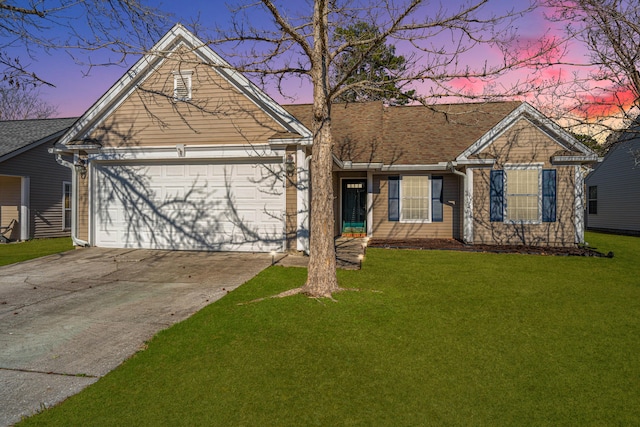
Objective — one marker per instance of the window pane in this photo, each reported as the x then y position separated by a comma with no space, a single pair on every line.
522,194
415,198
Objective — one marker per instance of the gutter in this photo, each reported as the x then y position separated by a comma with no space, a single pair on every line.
74,195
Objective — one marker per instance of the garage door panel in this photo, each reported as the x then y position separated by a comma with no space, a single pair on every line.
189,206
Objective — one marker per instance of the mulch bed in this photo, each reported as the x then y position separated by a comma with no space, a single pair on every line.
455,245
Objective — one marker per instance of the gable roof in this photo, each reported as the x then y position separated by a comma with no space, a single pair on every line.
17,136
569,148
371,132
177,37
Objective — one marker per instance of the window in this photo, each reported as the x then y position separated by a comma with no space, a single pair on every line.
182,85
66,205
593,200
523,194
415,198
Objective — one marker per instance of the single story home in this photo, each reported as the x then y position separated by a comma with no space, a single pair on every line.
35,191
613,188
183,152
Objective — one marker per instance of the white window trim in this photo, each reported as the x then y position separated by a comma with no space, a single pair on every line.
400,198
185,76
64,210
528,166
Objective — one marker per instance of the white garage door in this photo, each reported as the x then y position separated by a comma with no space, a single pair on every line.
193,206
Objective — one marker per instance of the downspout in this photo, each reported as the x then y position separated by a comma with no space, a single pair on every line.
74,196
465,220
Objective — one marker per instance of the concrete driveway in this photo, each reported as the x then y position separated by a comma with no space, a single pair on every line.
68,319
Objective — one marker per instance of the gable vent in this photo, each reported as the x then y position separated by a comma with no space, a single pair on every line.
182,85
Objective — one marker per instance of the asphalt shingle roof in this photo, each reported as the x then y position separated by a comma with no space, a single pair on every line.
16,134
407,135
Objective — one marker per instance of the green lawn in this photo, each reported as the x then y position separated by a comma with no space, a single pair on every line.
16,252
431,338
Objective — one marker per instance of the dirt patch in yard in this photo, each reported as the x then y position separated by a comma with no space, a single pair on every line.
455,245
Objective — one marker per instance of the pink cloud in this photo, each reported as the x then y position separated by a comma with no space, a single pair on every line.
606,103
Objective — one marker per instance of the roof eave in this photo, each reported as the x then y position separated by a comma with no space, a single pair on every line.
575,160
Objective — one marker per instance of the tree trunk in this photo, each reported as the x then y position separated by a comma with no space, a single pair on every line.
321,279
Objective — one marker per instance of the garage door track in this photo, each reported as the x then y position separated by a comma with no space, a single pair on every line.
68,319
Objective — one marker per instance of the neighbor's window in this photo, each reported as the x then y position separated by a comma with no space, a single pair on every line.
593,200
521,195
182,85
66,205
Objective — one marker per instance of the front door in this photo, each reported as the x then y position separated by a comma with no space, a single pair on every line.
354,206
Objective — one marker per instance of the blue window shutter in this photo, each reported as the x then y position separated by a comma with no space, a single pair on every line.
496,195
436,199
394,198
549,195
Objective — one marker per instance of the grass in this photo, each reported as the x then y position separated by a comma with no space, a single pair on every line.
431,338
16,252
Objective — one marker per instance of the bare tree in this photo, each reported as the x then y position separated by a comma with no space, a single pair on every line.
24,102
300,41
30,27
610,30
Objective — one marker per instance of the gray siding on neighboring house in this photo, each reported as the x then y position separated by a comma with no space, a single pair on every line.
46,178
618,185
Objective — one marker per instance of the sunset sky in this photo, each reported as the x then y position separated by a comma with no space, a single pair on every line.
77,88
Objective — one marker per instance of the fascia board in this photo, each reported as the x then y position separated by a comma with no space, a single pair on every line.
291,141
474,162
346,165
575,159
224,152
398,168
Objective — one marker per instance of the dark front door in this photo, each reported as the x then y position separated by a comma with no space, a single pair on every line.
354,206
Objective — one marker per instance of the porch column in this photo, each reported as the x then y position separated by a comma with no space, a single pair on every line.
369,203
24,207
302,202
579,205
467,192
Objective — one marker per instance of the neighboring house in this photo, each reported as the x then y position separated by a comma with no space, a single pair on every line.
613,188
34,189
185,153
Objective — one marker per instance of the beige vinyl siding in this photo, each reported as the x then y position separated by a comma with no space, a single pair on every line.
447,229
46,178
524,144
618,182
83,208
10,194
217,113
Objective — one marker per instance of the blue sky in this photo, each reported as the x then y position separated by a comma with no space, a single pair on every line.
75,90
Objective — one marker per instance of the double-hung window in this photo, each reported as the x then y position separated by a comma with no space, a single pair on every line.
415,198
523,193
593,200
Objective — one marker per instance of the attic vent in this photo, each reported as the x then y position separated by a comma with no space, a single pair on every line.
182,85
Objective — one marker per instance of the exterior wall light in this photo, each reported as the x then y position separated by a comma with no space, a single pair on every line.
290,165
81,168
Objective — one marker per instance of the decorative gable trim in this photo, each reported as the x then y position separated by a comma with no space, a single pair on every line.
527,112
175,38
